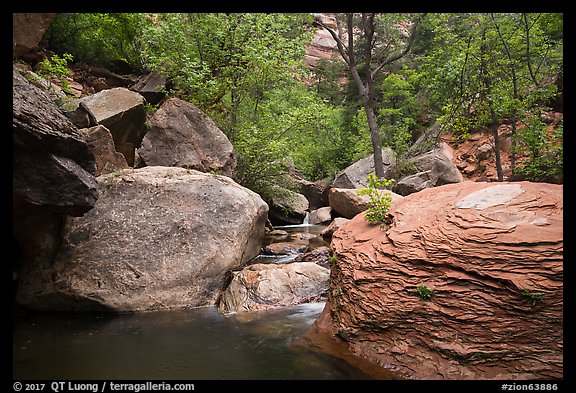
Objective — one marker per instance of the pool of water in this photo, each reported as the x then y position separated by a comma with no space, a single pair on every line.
196,344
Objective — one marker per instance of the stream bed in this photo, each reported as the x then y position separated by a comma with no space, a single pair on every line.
195,344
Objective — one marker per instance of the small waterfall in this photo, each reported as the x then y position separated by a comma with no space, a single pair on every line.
306,219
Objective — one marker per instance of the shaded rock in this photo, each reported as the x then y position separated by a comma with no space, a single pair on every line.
289,247
320,216
52,163
334,226
28,29
158,238
348,203
355,175
288,207
268,286
150,86
101,144
315,192
122,112
492,255
278,233
182,135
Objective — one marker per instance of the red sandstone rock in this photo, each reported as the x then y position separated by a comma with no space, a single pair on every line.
491,253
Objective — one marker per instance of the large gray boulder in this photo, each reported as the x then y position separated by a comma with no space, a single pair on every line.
158,238
436,168
355,175
183,135
52,163
122,112
267,286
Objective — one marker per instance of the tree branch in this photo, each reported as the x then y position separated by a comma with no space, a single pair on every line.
341,47
400,55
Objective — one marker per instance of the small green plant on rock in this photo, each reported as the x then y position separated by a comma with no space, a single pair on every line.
57,66
379,202
532,298
423,292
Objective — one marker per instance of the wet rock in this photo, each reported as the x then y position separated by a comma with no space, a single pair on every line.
492,256
288,207
268,286
319,256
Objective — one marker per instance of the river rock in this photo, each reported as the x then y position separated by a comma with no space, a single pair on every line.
268,286
52,163
319,256
333,227
288,207
122,112
182,135
320,216
347,203
158,238
492,257
315,193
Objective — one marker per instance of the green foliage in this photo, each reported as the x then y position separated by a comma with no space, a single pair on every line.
546,153
110,40
532,298
57,66
380,201
423,292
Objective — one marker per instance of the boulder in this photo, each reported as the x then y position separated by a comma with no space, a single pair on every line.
347,203
28,29
320,216
435,168
101,144
355,175
315,192
182,135
52,163
491,257
269,286
158,238
150,86
319,255
122,112
288,207
334,226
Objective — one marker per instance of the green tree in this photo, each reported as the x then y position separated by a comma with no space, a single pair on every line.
372,43
110,40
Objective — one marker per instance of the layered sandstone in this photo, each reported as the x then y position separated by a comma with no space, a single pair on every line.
492,255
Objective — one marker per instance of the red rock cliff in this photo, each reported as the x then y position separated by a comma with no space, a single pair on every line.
492,255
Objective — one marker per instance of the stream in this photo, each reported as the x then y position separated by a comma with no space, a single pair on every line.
195,344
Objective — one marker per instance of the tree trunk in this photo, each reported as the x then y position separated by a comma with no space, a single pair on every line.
375,137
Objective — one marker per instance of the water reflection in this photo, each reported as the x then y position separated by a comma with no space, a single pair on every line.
198,344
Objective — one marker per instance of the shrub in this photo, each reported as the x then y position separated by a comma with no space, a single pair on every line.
379,202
